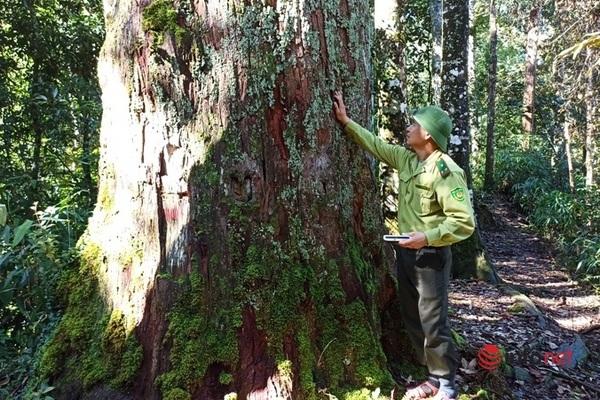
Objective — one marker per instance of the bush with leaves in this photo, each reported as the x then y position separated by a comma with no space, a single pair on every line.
34,256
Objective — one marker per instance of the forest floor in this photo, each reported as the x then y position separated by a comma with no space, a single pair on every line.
537,315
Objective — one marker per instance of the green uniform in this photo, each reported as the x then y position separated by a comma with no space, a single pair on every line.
427,201
433,199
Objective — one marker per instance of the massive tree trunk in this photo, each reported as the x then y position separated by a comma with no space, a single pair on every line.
491,120
528,119
437,23
469,256
236,243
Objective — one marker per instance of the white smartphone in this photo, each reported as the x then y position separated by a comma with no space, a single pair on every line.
395,238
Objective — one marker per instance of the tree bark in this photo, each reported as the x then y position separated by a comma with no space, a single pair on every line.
473,117
392,104
469,258
570,172
236,244
437,23
528,120
591,104
491,120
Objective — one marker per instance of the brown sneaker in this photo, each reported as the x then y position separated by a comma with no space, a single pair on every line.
441,395
422,391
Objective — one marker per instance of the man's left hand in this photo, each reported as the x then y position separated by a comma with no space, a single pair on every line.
416,241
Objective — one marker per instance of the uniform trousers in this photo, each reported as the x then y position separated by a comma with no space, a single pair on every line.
423,277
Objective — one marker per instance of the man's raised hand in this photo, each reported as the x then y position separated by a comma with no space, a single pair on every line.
340,108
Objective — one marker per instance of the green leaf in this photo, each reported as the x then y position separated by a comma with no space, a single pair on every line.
4,258
21,231
3,214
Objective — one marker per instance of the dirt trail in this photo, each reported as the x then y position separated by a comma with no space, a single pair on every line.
551,313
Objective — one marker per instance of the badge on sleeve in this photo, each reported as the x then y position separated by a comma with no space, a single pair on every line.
458,194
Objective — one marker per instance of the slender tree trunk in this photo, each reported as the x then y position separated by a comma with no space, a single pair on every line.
492,77
528,120
473,117
235,247
591,119
455,97
437,23
391,92
567,135
470,258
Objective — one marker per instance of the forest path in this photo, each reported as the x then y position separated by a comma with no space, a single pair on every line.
536,314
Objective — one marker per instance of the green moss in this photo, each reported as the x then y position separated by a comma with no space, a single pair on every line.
354,355
285,368
361,394
225,378
177,394
200,335
105,196
516,308
132,255
363,269
459,340
307,363
88,344
161,17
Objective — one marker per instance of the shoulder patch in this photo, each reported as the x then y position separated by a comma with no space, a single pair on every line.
442,167
458,194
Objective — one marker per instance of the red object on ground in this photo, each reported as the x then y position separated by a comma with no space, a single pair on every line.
489,357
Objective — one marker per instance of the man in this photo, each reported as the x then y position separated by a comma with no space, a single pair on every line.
434,209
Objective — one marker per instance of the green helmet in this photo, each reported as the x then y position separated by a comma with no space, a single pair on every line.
437,123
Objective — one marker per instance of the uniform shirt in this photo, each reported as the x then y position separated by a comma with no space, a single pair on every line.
427,202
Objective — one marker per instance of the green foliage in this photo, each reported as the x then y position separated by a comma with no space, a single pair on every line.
35,256
570,218
49,102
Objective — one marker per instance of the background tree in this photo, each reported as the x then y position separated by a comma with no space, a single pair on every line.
530,72
435,9
392,99
491,112
469,256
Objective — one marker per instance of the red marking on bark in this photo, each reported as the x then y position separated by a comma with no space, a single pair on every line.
276,122
172,214
255,366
